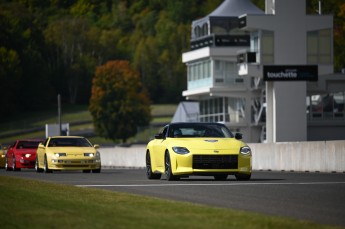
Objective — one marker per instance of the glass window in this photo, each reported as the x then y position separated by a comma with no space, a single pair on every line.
319,47
267,47
327,106
212,110
205,29
201,107
254,42
225,70
312,43
236,109
199,70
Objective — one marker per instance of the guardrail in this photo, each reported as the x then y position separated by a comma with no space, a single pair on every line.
320,156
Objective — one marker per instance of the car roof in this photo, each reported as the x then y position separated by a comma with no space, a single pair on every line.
67,137
195,123
30,140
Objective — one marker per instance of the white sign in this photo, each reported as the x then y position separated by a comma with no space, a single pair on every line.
54,130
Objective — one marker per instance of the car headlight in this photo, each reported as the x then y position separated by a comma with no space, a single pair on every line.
180,150
89,154
27,155
245,150
60,154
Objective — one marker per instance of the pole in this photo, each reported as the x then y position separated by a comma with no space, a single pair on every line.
59,113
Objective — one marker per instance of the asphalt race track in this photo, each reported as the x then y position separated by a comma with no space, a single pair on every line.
318,197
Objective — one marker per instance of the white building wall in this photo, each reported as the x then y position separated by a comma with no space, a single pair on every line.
286,101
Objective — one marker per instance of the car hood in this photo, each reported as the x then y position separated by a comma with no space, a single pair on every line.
21,151
207,143
72,150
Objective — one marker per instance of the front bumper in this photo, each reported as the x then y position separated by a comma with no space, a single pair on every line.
24,163
74,164
211,164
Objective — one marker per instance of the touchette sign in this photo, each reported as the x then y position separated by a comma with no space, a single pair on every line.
290,72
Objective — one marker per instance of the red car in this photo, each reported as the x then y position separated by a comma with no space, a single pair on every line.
22,154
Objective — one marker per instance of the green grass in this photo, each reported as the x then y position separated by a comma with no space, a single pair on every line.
163,109
34,204
161,114
70,113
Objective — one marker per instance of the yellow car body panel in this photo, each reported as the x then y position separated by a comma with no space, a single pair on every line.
67,157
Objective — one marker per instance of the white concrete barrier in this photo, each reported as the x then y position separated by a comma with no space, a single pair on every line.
123,157
320,156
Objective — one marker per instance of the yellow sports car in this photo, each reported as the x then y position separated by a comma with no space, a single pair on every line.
67,153
183,149
2,156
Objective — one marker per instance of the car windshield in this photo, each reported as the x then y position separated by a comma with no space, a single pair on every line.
69,142
27,144
201,130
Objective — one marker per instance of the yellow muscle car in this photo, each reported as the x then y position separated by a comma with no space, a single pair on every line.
67,153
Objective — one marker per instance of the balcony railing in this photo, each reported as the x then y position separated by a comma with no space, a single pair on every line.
221,41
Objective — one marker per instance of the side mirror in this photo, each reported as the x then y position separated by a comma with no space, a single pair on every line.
96,146
159,136
238,136
40,145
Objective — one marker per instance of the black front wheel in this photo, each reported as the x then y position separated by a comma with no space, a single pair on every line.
14,164
168,172
149,174
46,167
37,168
8,168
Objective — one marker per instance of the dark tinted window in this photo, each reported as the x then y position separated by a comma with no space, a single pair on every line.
27,144
68,142
201,130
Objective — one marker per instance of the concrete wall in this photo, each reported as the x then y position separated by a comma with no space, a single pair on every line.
123,157
321,156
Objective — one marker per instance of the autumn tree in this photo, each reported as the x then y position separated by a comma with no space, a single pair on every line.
119,103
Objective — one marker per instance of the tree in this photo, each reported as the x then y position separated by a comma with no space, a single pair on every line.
10,73
119,103
69,36
23,74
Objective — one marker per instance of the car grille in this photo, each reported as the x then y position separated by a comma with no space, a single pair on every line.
215,161
75,166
